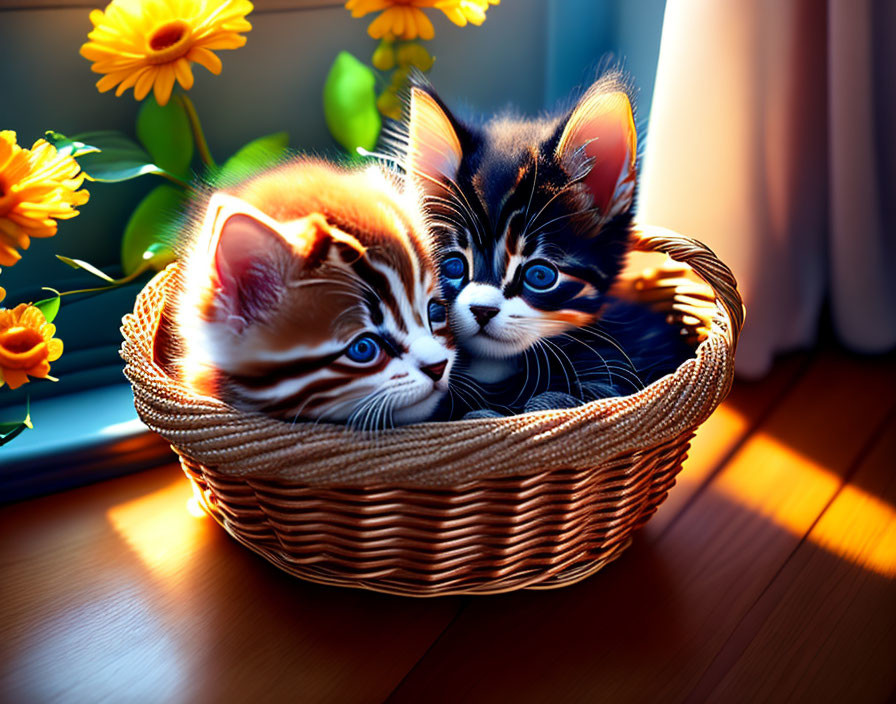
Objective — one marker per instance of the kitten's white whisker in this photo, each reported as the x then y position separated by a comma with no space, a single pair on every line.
552,346
597,354
554,197
470,387
531,194
607,337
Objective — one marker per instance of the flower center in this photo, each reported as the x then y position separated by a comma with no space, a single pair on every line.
7,199
21,347
169,41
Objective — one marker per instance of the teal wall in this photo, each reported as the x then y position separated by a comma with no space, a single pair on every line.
584,36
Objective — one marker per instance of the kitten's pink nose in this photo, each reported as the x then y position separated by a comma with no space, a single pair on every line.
435,371
483,314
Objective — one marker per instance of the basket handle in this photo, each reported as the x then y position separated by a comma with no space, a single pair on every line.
649,238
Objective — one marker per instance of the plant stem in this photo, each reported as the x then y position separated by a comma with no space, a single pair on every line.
198,134
115,284
175,179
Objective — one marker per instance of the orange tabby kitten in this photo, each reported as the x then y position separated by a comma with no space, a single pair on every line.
308,292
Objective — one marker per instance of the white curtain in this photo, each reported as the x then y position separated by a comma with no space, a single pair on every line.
772,139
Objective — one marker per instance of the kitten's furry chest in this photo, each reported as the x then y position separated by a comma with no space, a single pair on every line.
493,371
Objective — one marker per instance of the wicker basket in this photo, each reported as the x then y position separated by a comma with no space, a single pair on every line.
538,500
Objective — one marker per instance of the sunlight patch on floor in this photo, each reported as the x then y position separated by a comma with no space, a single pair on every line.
789,489
862,528
713,441
160,527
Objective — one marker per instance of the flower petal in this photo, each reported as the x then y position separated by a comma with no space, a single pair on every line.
184,73
384,23
424,26
54,347
163,85
131,80
359,8
144,83
205,58
15,377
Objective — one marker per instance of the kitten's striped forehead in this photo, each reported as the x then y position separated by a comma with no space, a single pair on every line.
498,213
517,207
377,256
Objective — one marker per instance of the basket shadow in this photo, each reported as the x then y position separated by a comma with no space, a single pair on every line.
650,626
274,635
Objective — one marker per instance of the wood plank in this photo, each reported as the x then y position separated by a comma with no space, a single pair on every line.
647,627
114,592
826,629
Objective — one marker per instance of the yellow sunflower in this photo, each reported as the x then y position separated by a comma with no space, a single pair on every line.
147,44
37,187
27,345
399,19
462,11
404,19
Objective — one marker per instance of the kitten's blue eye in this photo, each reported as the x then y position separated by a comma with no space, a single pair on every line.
363,350
437,313
540,276
454,268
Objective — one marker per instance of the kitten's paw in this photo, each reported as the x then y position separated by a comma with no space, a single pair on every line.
551,400
482,413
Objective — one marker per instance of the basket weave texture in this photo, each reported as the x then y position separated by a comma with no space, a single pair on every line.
536,500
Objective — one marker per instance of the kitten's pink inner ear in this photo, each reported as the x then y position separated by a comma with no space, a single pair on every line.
242,243
603,124
434,151
251,261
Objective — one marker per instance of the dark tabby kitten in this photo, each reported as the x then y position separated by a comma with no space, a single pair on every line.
532,220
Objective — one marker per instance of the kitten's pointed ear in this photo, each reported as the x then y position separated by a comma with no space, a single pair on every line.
434,150
251,258
602,128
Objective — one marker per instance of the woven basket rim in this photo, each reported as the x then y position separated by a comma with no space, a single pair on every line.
423,454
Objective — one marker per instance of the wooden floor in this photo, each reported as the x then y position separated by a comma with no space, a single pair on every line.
768,575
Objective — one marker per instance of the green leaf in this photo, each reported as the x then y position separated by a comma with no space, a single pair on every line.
107,139
9,431
165,132
49,306
147,235
67,146
253,157
10,435
114,157
115,165
350,104
81,264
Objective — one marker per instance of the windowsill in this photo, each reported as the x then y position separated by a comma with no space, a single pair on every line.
79,438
